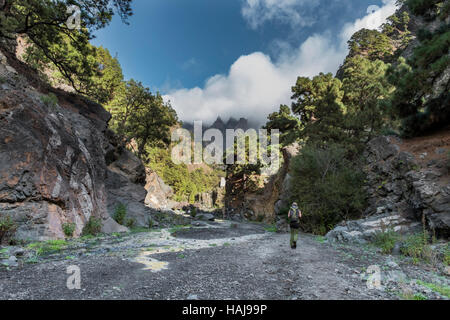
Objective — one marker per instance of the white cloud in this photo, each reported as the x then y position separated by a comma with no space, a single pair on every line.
371,21
294,12
255,85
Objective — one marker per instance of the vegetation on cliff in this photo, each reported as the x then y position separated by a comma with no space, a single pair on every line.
377,90
55,39
63,57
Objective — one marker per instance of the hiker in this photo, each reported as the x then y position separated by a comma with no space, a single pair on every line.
294,218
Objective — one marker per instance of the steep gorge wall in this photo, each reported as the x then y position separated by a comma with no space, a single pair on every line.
59,163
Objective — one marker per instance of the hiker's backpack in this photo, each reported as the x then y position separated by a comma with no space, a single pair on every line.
295,215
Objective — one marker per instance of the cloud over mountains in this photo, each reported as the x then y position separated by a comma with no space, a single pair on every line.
256,85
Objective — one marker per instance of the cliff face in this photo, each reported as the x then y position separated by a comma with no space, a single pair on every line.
408,181
59,162
408,184
268,199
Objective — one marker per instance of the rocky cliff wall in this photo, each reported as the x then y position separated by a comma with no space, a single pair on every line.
59,163
408,184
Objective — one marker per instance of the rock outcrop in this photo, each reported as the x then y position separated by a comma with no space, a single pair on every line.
267,201
159,194
404,191
59,162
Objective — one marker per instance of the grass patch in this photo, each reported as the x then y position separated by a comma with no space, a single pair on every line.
33,259
441,289
47,247
87,237
173,231
416,246
50,100
321,239
139,230
272,228
417,297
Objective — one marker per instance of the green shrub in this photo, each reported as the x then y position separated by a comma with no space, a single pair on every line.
7,229
50,100
69,229
415,101
446,258
93,227
130,223
386,241
120,214
420,7
417,247
327,187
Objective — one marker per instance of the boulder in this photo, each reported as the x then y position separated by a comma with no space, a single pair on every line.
158,194
282,225
10,262
128,165
363,231
205,217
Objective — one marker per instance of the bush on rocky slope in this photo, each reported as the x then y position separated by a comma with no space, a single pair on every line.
327,188
7,228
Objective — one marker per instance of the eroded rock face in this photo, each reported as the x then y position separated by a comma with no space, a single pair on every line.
158,193
402,194
268,201
125,185
53,164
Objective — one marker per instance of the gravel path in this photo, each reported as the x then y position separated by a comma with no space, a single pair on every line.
221,261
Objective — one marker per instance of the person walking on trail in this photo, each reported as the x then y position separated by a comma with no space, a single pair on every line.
294,219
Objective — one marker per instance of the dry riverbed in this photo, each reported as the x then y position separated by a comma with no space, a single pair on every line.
217,260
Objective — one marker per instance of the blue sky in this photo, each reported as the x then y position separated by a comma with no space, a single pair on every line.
200,52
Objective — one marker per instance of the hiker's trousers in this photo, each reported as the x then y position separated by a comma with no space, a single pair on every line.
294,235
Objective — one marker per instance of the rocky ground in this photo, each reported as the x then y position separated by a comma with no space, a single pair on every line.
214,260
